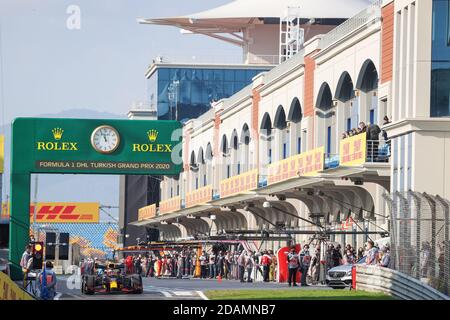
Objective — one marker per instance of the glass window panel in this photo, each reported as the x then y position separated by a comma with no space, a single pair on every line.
208,74
229,75
239,75
197,74
218,75
163,73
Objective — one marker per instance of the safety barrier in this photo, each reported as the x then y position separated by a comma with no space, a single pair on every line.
395,283
10,290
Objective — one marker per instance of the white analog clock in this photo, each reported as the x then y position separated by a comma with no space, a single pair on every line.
105,139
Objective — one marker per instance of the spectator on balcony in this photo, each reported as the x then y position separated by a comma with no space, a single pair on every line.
344,135
362,127
386,120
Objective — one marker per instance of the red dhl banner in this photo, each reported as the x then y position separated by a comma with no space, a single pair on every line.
352,151
170,205
239,184
147,212
305,164
61,212
199,196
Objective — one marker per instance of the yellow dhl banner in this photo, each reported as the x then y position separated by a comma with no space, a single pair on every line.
147,212
2,153
170,205
11,291
61,212
352,150
308,163
238,184
199,196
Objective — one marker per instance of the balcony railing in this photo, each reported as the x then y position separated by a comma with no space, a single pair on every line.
368,15
378,150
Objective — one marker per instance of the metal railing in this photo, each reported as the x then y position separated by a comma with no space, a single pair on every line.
378,150
220,59
368,15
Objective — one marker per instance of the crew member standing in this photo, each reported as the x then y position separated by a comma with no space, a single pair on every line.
266,260
293,265
305,260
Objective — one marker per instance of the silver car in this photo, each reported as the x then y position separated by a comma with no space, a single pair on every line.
341,276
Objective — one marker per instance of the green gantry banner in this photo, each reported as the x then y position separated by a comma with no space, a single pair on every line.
85,146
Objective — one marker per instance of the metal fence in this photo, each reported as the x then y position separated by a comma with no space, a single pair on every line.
420,237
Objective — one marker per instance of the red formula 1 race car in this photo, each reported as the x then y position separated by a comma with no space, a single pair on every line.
110,278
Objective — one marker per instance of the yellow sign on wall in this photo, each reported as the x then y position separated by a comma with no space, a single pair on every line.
61,212
307,163
352,151
2,153
238,184
199,196
147,212
9,290
170,205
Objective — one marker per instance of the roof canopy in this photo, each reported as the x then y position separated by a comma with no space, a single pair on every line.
239,13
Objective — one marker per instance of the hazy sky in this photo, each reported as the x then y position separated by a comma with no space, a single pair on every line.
48,67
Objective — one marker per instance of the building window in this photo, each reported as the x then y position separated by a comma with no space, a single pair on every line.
349,124
238,168
178,190
204,179
171,192
228,171
196,183
372,116
329,140
299,145
270,156
440,56
284,150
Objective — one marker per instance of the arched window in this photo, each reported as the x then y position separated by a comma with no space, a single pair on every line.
266,139
295,117
367,83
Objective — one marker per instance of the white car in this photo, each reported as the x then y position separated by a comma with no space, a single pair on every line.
341,276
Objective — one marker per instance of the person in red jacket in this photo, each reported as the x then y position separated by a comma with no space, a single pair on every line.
129,264
266,260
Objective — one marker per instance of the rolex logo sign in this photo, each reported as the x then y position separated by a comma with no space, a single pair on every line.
57,145
57,133
152,135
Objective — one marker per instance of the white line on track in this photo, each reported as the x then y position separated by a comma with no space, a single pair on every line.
58,295
202,295
166,294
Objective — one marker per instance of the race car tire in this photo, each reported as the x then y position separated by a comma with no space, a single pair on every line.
136,283
89,285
